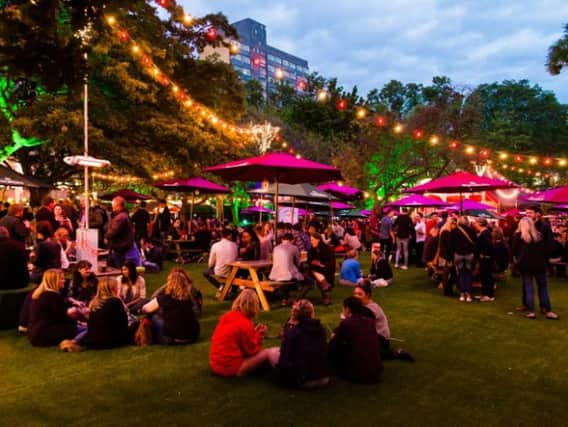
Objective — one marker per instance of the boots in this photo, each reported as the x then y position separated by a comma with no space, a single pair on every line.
325,287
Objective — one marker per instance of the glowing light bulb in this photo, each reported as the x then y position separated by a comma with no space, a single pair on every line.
279,73
434,140
503,156
342,105
188,103
418,134
111,20
322,95
380,121
533,161
470,150
175,89
135,49
235,48
188,18
562,162
361,113
398,128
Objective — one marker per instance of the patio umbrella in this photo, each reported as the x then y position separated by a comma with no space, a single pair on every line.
126,194
10,178
554,195
471,205
257,210
461,182
298,191
416,201
277,168
341,206
194,186
341,191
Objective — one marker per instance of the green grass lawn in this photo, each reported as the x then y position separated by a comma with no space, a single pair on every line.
476,364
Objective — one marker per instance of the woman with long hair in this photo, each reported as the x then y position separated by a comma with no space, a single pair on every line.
132,287
49,323
529,254
236,345
83,286
177,322
445,256
108,322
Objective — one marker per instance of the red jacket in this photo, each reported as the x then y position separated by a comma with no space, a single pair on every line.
234,340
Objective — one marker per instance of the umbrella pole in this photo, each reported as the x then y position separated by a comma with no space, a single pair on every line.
191,212
461,204
276,185
260,211
294,208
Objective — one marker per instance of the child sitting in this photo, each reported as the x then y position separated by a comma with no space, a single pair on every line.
350,269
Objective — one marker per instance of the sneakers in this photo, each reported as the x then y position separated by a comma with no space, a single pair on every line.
522,308
530,316
468,299
401,354
22,330
486,298
396,266
404,267
550,315
462,297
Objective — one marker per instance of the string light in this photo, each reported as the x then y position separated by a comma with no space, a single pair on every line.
279,74
342,105
187,18
323,95
361,113
398,128
469,150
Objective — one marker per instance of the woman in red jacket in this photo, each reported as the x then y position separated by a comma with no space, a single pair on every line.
236,345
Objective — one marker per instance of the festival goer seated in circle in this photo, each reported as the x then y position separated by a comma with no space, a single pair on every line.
303,354
381,272
132,287
354,347
321,266
250,246
350,269
82,288
66,247
178,230
196,295
363,293
13,262
177,321
236,345
47,254
108,321
49,323
152,255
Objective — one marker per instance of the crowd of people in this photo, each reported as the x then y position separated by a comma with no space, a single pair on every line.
73,308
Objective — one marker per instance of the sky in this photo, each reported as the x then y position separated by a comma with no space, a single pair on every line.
370,42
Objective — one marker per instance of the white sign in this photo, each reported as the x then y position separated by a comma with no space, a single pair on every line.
289,215
87,246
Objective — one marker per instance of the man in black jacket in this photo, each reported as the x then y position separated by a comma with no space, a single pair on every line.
120,236
484,252
403,229
13,222
13,262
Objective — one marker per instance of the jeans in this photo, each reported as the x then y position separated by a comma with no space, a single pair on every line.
464,267
542,291
386,246
210,276
401,246
486,277
117,259
419,253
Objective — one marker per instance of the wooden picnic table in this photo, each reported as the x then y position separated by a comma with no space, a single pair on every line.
182,249
254,282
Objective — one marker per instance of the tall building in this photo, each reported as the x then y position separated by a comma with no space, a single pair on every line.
270,66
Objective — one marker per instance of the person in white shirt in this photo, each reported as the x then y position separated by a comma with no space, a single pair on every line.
420,229
221,254
285,260
350,239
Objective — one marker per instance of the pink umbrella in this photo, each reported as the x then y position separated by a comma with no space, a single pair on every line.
276,167
461,182
196,184
341,191
470,205
417,200
126,194
193,185
554,195
341,206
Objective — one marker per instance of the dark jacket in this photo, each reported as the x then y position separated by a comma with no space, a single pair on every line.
180,321
48,255
381,269
354,350
445,242
530,257
303,354
108,326
49,324
119,233
324,254
16,227
403,226
13,264
430,249
141,219
459,243
484,244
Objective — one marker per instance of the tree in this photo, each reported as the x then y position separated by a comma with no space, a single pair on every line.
254,94
132,116
558,54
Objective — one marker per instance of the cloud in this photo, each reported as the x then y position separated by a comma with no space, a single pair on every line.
369,42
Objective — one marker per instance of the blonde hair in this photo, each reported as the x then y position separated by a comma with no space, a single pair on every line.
528,231
302,309
179,284
247,303
49,282
105,291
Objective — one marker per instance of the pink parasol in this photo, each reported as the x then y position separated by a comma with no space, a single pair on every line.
340,191
417,200
278,168
256,210
126,194
196,184
341,206
554,195
471,205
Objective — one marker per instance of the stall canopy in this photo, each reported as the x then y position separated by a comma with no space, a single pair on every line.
10,178
126,194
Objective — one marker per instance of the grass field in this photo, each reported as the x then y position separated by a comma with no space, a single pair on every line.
476,364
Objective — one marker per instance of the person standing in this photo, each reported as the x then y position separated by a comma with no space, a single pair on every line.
462,240
162,222
403,229
484,253
530,257
385,233
420,232
45,213
141,220
18,229
120,236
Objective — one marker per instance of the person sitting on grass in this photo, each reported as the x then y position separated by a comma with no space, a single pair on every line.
108,321
236,345
49,323
303,353
350,268
82,289
132,287
363,293
174,311
354,348
381,272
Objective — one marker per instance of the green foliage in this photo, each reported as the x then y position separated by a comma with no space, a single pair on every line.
131,117
254,94
558,54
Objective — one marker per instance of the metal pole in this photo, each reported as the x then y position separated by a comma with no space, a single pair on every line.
86,141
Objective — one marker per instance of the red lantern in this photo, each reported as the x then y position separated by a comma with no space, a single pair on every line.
484,153
123,35
146,61
301,85
454,145
163,3
256,61
418,134
380,121
518,159
212,33
342,105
